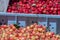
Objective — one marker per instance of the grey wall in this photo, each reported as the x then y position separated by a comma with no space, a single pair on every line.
30,19
57,20
42,19
58,26
10,17
3,19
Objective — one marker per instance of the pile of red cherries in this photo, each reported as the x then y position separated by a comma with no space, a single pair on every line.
34,6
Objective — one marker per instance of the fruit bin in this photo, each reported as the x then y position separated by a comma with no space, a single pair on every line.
30,6
34,6
32,32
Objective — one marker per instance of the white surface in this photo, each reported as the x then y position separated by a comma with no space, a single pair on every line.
52,24
11,22
3,5
22,23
